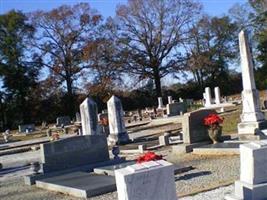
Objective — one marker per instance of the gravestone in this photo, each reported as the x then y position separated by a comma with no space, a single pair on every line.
117,130
110,170
26,128
79,184
160,103
73,152
64,120
207,97
253,172
88,110
78,117
146,181
194,129
217,95
252,119
164,139
189,102
176,108
169,99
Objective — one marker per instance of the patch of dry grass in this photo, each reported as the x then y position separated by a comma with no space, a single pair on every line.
231,119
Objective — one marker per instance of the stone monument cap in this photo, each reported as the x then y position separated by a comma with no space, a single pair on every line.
145,166
259,144
255,145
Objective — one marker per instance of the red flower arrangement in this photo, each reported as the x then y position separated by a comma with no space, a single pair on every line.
149,156
213,120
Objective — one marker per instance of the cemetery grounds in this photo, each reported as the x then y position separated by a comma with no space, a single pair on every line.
206,175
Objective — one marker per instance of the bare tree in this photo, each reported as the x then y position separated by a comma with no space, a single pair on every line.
149,36
61,37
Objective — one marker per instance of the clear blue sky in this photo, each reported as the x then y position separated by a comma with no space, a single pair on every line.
105,7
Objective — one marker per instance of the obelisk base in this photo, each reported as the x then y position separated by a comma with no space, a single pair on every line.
245,191
251,127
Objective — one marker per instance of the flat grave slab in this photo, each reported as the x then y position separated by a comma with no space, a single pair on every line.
218,149
110,170
79,184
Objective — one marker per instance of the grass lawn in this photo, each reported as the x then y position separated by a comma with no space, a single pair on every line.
231,119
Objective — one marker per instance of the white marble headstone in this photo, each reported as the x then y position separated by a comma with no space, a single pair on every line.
253,164
217,95
88,110
253,172
78,117
152,180
117,128
160,102
169,99
207,97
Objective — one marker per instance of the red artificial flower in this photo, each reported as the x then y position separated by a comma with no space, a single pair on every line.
149,156
212,119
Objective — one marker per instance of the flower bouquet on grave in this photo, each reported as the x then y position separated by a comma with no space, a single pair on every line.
149,156
213,122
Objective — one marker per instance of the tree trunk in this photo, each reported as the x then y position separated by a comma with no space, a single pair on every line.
157,81
70,100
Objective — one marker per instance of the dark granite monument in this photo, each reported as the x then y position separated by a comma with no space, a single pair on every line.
74,152
194,129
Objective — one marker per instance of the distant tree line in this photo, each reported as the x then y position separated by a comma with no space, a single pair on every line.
51,60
